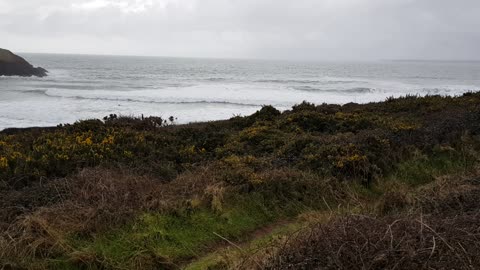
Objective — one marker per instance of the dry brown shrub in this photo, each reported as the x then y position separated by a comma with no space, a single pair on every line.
100,199
448,237
361,242
451,194
15,203
96,200
447,194
397,198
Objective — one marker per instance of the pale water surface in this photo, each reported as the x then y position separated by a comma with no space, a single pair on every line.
81,87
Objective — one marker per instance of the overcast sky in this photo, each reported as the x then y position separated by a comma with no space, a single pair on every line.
282,29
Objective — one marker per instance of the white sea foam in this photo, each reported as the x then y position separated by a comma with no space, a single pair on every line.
254,95
198,90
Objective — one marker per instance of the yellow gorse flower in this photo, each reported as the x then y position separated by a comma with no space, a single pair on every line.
356,157
128,154
88,141
81,141
109,140
16,155
3,162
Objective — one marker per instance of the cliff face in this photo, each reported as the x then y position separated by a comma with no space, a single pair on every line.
14,65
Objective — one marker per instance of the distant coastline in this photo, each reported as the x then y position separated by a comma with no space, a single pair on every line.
435,60
319,60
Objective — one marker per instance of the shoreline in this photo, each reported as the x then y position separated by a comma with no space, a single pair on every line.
13,130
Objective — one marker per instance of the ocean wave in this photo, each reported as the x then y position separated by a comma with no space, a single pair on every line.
428,77
145,99
438,91
34,91
328,81
70,86
355,90
214,79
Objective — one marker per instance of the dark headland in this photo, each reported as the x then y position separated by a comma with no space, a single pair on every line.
14,65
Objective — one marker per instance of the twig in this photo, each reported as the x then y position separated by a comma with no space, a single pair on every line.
433,248
238,247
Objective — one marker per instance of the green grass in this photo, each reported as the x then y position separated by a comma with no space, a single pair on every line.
236,254
179,236
422,169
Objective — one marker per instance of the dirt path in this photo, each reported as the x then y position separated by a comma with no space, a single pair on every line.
237,248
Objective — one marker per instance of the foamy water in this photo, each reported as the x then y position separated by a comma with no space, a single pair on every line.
81,87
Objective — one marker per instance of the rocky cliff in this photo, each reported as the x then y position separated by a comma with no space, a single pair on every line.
14,65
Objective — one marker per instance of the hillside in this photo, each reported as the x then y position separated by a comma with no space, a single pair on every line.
14,65
383,185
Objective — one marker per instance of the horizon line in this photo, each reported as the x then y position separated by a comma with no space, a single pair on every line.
266,59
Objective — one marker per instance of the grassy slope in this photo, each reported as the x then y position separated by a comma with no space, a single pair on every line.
308,240
139,193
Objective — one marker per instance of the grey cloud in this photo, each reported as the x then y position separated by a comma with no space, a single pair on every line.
301,29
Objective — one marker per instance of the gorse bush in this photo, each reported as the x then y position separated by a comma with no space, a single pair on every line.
349,142
144,193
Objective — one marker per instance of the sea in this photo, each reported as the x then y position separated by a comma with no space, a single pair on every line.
193,89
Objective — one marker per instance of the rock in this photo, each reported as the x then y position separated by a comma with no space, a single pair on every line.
14,65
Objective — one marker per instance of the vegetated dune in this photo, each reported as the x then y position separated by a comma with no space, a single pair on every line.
389,185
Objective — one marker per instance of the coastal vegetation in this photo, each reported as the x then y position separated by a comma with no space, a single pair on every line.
388,185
